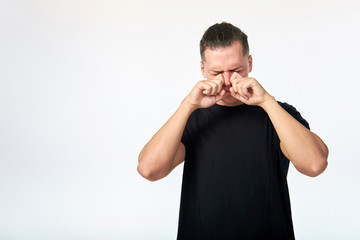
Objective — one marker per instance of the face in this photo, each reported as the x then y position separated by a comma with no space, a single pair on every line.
226,61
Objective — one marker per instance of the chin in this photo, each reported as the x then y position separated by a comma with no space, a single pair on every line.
229,100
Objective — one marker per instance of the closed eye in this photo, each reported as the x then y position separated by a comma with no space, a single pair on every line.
217,73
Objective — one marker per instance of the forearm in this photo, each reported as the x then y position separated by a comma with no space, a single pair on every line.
304,149
156,158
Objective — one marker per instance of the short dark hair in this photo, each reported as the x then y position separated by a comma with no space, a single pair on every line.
223,35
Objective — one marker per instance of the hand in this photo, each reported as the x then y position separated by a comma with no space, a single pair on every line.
248,90
206,93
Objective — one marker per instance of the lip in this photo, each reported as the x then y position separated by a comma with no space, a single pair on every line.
227,89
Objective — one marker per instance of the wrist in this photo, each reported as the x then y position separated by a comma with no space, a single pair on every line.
269,100
188,106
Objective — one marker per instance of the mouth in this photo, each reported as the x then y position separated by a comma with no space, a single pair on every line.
227,89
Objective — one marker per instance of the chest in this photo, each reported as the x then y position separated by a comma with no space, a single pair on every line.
239,143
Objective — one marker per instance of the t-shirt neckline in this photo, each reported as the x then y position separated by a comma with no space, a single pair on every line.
229,107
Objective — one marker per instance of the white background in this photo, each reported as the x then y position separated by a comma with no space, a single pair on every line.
85,84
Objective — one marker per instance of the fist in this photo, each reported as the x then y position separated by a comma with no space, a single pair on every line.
248,90
206,93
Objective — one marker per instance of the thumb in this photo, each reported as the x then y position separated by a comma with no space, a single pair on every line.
234,76
219,77
220,96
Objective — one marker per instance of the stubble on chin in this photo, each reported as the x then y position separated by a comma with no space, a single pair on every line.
229,100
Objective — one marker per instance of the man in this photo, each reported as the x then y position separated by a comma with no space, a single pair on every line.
236,140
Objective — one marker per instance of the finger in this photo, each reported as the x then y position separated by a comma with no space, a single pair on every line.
244,100
214,87
236,82
210,88
233,93
244,90
240,88
219,77
233,81
238,96
236,87
220,80
220,95
247,88
206,88
219,83
237,92
234,76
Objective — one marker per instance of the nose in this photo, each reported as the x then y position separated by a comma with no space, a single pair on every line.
227,77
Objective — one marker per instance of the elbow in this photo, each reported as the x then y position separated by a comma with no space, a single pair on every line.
150,170
146,173
143,170
320,162
318,168
153,167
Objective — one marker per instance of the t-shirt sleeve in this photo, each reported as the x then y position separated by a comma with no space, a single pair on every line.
186,137
189,131
295,114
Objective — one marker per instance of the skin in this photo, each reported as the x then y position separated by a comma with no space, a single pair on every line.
222,63
227,83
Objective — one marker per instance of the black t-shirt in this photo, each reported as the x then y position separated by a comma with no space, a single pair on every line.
234,181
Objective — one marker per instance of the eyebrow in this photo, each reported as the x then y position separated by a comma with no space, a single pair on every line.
233,69
236,68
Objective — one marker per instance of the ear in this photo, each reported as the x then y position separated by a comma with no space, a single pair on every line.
250,63
203,69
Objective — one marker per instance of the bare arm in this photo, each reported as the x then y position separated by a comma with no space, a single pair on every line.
165,151
303,148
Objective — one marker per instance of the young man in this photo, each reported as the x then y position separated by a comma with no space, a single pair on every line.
236,140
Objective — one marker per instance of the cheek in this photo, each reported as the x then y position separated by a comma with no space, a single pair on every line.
207,75
210,76
244,73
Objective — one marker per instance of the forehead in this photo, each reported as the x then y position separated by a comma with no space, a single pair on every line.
225,57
